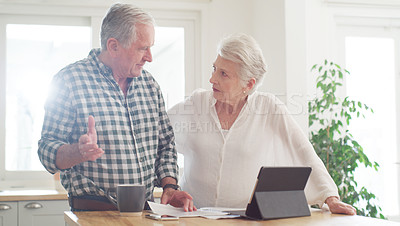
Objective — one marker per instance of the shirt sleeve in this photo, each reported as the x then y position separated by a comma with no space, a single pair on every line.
57,124
320,184
179,123
175,123
166,162
182,117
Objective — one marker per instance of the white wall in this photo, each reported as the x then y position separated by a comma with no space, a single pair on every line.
279,28
224,17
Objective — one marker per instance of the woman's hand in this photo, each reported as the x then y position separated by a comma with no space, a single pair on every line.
337,206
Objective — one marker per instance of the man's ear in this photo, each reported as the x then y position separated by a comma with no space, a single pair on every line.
112,46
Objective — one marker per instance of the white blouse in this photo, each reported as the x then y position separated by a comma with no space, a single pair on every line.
221,170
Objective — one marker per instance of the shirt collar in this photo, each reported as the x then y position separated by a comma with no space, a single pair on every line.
94,56
213,101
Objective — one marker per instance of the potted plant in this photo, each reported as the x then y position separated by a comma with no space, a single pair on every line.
329,118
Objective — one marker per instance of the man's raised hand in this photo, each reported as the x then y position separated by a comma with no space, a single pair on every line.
88,143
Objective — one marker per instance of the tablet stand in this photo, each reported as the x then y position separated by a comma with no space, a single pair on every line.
278,204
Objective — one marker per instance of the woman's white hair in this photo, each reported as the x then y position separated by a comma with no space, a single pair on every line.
244,50
120,23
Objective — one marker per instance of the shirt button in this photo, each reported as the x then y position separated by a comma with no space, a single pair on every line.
141,159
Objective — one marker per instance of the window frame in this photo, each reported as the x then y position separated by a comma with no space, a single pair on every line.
378,27
191,22
19,178
36,12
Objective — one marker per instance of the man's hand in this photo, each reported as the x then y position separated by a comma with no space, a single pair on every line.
69,155
88,143
178,199
337,206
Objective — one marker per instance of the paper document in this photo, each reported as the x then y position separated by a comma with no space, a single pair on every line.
162,209
222,209
221,217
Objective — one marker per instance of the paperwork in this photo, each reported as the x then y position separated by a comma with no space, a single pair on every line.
162,209
222,209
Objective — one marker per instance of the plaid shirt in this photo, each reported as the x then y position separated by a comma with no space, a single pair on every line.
134,132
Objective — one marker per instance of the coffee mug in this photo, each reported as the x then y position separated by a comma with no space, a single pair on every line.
130,199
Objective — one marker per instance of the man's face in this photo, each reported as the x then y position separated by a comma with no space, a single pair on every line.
129,62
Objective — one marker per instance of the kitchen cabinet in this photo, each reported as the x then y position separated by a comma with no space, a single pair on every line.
33,213
8,213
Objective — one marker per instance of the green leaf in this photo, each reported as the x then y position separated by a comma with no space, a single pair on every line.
313,67
334,143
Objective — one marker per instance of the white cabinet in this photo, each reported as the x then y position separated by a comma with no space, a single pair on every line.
34,213
8,213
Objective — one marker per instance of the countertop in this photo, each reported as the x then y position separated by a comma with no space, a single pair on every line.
317,218
27,195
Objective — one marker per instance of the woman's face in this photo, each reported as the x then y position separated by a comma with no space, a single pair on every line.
225,81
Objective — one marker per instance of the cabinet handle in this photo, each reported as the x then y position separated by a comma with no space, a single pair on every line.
5,207
33,205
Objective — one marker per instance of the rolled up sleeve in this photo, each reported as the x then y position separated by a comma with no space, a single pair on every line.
166,162
57,124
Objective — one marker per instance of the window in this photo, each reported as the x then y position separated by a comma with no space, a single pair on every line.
34,53
35,43
168,66
370,57
378,90
34,48
47,49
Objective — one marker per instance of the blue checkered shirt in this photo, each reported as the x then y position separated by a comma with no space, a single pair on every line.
134,132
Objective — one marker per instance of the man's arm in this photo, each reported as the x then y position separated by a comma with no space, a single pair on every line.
166,163
87,149
168,180
166,160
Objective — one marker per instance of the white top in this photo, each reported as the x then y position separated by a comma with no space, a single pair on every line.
225,132
222,170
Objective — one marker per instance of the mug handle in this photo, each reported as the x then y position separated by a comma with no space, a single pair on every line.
110,197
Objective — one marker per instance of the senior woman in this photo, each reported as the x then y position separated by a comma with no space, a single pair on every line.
228,133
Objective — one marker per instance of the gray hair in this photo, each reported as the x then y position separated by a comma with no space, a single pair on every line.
120,23
244,50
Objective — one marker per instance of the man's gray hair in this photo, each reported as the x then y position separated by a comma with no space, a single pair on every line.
244,50
120,23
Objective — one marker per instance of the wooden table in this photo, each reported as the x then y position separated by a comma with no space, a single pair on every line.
318,217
